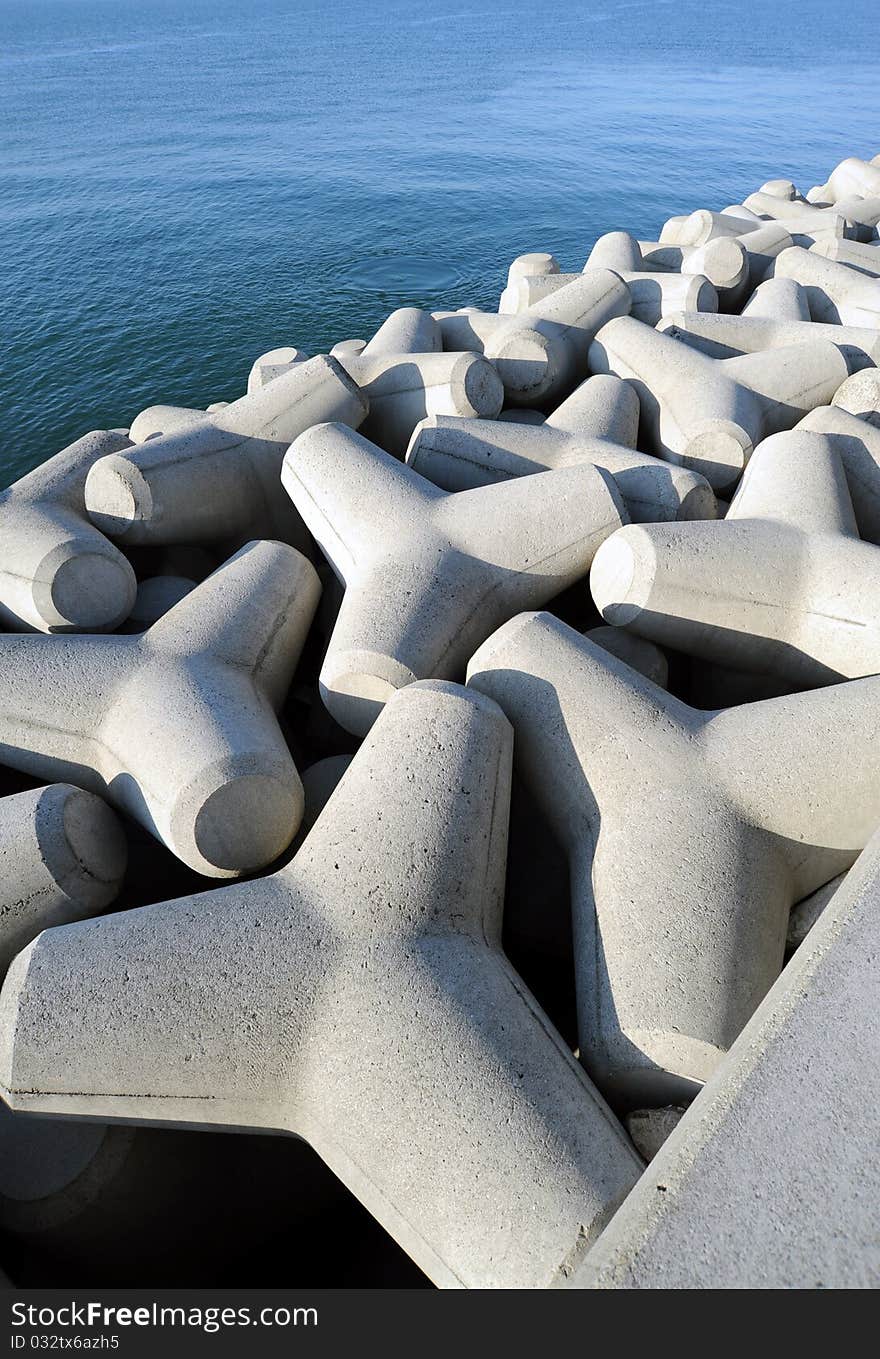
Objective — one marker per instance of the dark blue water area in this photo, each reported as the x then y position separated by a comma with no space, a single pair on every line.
187,183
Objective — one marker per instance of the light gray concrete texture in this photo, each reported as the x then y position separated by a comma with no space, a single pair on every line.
58,573
643,656
597,424
344,349
404,388
652,294
836,293
782,585
852,177
781,188
772,1179
805,222
864,258
857,442
722,336
177,726
779,299
696,228
532,265
163,419
860,396
62,857
405,331
541,353
360,998
218,479
649,1128
806,912
689,838
724,262
272,364
445,570
709,414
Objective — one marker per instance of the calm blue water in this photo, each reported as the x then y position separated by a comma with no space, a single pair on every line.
186,183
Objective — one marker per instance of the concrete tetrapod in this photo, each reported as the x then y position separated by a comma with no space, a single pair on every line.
805,222
864,258
779,299
860,395
541,353
702,225
721,336
359,997
836,293
679,918
782,586
852,176
525,266
652,293
155,596
218,479
771,1180
405,377
445,569
708,414
406,331
177,725
857,441
761,240
598,424
403,388
58,573
272,364
807,911
62,857
759,243
163,419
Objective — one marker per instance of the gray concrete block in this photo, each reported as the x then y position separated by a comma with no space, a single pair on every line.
782,586
721,336
177,726
689,838
62,857
219,479
597,424
359,997
446,569
404,388
708,414
771,1180
837,293
58,572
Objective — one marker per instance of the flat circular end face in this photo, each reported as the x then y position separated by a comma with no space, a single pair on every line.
524,363
477,388
724,262
355,700
622,575
89,592
97,842
719,453
42,1156
698,503
537,263
117,496
247,823
860,394
701,295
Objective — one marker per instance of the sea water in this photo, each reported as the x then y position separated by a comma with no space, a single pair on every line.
187,183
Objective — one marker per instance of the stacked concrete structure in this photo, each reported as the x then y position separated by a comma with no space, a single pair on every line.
673,451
